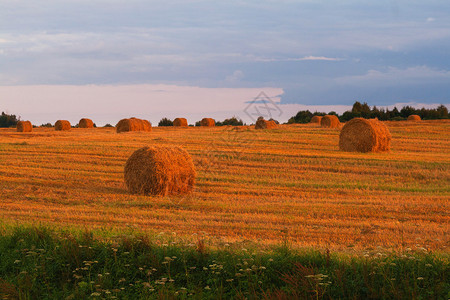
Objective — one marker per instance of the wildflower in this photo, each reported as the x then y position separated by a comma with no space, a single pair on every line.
207,287
270,259
17,261
393,264
95,294
419,278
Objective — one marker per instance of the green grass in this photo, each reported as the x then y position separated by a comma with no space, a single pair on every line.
44,263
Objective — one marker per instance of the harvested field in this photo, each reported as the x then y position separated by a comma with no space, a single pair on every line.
291,184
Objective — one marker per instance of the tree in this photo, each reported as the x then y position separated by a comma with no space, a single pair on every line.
7,120
303,116
232,121
165,122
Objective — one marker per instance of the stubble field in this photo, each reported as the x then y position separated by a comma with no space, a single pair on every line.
271,186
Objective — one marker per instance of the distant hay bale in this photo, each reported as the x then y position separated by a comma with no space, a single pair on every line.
180,122
160,170
330,121
24,126
316,119
62,125
133,124
86,123
263,124
414,118
207,122
363,135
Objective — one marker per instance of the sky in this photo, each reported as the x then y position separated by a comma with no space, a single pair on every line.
109,59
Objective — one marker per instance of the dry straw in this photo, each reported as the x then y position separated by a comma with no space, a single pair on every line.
180,122
330,121
160,170
208,122
133,124
263,124
62,125
24,126
363,135
316,119
414,118
86,123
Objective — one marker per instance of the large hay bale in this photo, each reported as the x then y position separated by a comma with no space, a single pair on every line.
363,135
160,170
207,122
24,126
62,125
86,123
316,119
414,118
180,122
330,121
264,124
133,124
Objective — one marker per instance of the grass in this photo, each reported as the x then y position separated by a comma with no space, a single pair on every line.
43,263
250,184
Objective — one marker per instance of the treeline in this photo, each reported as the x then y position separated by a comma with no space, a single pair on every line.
384,114
231,121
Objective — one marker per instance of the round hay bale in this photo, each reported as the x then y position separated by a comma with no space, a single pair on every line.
180,122
330,121
160,170
264,124
363,135
414,118
24,126
86,123
316,119
133,124
62,125
207,122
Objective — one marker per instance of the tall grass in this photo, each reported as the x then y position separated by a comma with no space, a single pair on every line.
42,263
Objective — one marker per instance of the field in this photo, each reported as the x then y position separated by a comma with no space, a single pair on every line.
290,184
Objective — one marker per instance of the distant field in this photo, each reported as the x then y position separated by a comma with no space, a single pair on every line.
286,184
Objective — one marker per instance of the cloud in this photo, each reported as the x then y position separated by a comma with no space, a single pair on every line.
396,76
236,76
310,57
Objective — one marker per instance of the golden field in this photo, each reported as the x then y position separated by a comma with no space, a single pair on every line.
286,184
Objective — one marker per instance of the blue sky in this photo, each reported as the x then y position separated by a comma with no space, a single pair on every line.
314,52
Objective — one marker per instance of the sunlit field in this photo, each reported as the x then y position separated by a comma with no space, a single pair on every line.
289,184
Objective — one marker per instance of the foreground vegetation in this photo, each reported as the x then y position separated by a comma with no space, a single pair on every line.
37,263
